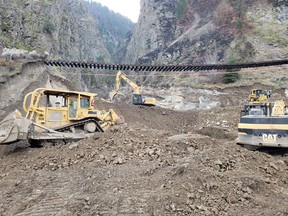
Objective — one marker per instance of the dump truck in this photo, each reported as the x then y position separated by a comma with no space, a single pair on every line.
52,114
137,98
264,123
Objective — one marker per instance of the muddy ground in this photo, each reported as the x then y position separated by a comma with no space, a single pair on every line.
160,162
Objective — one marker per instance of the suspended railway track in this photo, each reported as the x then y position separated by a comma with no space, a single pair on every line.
164,68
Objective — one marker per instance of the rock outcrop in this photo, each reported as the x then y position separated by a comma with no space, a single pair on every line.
182,31
31,29
61,27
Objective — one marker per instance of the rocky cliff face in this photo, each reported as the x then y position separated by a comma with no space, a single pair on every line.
168,32
209,31
113,27
64,28
154,31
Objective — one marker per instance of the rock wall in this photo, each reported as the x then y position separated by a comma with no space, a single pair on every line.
208,31
155,29
64,28
33,75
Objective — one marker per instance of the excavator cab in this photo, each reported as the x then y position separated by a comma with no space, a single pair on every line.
140,100
137,99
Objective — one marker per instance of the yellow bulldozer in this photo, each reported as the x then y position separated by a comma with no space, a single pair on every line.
137,98
56,115
259,96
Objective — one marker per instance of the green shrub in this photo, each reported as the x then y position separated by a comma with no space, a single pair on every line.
181,8
49,27
5,26
239,24
231,76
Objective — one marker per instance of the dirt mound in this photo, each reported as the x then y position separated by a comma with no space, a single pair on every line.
162,162
154,117
218,133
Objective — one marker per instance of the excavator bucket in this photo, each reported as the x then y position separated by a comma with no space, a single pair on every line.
14,128
113,93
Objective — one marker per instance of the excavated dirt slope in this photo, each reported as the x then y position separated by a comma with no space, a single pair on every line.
161,162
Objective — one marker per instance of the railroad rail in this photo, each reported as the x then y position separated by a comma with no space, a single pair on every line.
164,68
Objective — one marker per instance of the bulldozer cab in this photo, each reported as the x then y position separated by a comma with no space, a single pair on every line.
55,108
79,103
73,107
257,92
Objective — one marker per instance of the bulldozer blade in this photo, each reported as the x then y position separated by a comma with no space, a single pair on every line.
14,128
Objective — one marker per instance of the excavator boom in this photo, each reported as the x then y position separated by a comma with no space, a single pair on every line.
120,75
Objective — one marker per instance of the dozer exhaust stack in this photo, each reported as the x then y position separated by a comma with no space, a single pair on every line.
14,128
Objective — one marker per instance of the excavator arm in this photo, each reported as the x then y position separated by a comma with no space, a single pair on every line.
120,75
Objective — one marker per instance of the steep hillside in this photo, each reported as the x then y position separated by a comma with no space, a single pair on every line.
190,31
114,27
164,160
64,28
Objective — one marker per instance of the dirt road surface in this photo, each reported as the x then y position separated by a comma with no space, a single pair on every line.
160,162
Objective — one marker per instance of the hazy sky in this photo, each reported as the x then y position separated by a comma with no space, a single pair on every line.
128,8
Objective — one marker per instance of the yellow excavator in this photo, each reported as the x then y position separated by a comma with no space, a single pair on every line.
56,115
264,123
137,99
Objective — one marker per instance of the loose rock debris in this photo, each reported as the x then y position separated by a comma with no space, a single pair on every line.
161,162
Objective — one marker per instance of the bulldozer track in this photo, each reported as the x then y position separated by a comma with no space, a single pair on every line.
77,124
164,68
